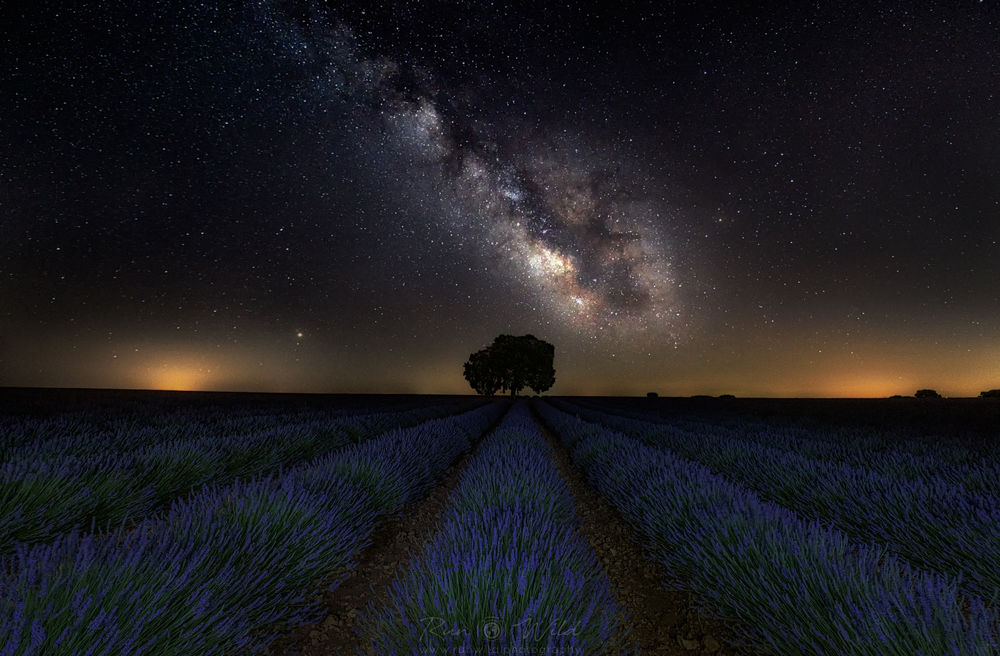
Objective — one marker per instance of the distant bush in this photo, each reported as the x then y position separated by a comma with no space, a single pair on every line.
927,394
990,394
653,395
727,396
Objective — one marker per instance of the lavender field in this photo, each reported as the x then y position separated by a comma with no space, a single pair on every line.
189,524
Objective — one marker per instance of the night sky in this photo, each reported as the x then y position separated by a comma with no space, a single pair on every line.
683,197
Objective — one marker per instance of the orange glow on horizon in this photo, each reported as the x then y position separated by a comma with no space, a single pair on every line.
178,371
291,364
862,387
178,378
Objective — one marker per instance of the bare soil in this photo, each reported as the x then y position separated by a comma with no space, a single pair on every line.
663,621
394,540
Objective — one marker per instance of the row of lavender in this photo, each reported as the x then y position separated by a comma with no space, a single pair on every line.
228,562
44,493
978,471
507,571
121,424
801,588
48,437
897,433
928,519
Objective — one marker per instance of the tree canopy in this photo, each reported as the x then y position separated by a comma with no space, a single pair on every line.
512,363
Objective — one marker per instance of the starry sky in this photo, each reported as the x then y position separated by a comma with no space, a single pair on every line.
689,197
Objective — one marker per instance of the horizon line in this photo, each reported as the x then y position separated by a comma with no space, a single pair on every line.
471,394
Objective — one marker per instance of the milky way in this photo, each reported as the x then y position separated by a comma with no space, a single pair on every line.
563,223
683,197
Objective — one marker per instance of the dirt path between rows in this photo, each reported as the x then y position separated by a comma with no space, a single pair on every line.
394,539
664,622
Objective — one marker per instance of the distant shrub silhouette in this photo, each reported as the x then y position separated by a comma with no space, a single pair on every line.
990,394
727,396
927,394
653,395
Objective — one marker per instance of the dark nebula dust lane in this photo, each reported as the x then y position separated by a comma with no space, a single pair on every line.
689,197
563,222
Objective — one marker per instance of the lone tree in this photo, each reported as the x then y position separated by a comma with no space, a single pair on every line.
927,394
512,363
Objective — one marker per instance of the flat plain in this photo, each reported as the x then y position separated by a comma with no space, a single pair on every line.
221,523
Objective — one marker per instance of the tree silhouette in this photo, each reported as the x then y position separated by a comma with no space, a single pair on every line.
512,363
927,394
481,374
